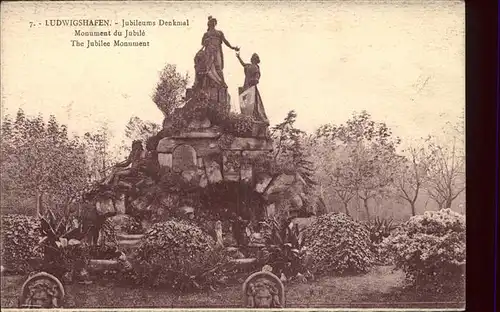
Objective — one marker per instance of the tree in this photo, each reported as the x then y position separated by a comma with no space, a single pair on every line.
330,171
412,176
290,154
138,129
38,160
446,173
370,157
169,91
98,153
289,158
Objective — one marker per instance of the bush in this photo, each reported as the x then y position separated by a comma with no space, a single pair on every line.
338,244
430,249
285,252
178,255
238,125
379,229
132,225
20,235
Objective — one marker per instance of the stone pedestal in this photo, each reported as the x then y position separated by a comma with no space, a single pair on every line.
197,156
215,94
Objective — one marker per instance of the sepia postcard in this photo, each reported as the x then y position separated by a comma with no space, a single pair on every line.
233,155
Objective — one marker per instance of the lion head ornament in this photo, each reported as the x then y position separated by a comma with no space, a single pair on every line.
263,290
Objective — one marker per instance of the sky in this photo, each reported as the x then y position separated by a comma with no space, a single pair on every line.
403,62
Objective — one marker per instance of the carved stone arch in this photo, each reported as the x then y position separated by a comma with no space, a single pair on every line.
184,158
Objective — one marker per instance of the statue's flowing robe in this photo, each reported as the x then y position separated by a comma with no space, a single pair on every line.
212,41
250,99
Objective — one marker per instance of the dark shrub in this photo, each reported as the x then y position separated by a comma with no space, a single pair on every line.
177,255
338,244
20,235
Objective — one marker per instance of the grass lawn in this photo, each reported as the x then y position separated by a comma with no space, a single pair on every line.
381,287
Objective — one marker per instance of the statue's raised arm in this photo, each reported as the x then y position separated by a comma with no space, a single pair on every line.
252,70
239,59
250,100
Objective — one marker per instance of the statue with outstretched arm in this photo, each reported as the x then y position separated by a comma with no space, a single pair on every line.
214,57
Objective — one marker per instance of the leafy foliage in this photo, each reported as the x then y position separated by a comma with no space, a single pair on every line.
98,153
132,225
107,233
238,125
289,159
40,161
411,176
290,154
335,181
180,112
338,244
285,252
169,92
177,255
39,158
430,249
446,173
20,235
370,160
199,107
380,229
138,129
61,246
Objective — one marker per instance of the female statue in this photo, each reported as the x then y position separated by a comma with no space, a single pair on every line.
252,76
214,58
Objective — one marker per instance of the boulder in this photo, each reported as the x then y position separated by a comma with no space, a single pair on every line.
165,160
199,124
297,201
166,145
281,183
249,144
263,181
203,180
188,175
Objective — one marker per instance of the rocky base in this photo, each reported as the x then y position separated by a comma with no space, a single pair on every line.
199,156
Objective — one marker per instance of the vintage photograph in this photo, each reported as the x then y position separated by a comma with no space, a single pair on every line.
218,154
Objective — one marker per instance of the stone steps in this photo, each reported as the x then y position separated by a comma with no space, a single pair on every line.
243,261
123,236
98,265
129,243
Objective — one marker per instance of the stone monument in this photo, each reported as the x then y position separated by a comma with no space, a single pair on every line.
211,147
